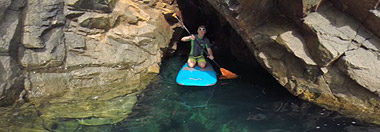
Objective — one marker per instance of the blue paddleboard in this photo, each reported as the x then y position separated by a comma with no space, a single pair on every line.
196,76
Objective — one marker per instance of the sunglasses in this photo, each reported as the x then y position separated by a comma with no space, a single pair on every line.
202,29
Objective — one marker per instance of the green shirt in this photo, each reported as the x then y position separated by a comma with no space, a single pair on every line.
198,45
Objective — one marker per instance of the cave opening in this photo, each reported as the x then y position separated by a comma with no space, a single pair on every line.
197,12
229,48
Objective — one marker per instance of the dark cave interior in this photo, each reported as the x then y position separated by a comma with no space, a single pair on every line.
230,50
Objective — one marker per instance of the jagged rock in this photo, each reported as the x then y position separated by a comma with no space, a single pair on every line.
11,81
75,42
125,12
328,57
243,13
94,20
39,21
10,27
95,5
8,30
294,43
310,6
334,31
76,46
4,4
70,47
365,11
363,71
52,55
70,14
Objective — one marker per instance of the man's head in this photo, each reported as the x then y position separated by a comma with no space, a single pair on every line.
201,31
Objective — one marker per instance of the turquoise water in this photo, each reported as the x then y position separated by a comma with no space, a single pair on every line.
252,103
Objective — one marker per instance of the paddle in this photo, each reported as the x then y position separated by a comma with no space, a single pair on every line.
226,74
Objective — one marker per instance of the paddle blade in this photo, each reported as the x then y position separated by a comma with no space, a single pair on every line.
174,15
226,74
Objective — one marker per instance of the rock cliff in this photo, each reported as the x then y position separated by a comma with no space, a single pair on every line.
75,59
326,52
76,55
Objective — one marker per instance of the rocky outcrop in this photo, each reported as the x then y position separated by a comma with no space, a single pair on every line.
89,56
85,62
321,51
11,79
366,12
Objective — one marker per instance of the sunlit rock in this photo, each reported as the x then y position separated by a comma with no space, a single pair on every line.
363,71
323,54
334,31
365,11
66,47
94,20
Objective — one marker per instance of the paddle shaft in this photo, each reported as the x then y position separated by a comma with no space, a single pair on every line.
196,40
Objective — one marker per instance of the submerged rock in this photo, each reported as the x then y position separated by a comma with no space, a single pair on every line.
97,105
75,61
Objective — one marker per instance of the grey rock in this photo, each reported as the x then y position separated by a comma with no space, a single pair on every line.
95,5
365,11
94,20
38,21
335,32
11,81
8,29
363,71
4,4
52,55
66,47
74,41
328,57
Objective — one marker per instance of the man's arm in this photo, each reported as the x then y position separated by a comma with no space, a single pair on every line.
209,50
188,38
210,54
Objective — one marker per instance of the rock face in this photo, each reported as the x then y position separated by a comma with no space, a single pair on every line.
79,61
321,51
76,51
11,79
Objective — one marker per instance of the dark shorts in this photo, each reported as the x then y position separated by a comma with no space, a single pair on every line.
197,59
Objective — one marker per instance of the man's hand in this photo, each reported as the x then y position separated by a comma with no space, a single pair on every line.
192,37
211,57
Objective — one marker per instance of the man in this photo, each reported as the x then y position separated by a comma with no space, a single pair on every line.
198,43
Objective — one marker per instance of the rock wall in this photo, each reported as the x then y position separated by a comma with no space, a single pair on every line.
321,51
11,78
76,51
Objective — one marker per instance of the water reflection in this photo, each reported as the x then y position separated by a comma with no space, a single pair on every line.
245,104
240,105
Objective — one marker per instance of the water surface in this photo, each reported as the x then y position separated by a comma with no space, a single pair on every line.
252,103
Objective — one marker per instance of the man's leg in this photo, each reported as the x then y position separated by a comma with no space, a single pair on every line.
202,62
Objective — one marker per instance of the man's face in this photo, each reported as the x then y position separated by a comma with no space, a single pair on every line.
201,31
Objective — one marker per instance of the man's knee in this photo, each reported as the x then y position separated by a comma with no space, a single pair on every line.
202,65
191,64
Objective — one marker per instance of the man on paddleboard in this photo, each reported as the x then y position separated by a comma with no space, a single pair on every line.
198,43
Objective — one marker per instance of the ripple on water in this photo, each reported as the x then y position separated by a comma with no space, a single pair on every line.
240,105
